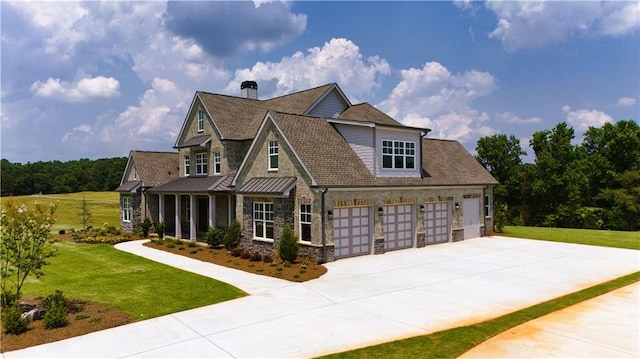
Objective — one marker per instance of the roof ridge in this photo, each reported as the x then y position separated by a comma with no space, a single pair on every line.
145,151
301,91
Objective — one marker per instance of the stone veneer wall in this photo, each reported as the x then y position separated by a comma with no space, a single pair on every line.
136,213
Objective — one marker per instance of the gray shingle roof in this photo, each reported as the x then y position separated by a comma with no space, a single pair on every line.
365,112
268,185
155,168
195,184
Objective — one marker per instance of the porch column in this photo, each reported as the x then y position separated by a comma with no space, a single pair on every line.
160,207
192,214
178,225
212,211
229,210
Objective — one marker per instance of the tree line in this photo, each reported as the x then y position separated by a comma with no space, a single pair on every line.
61,177
594,184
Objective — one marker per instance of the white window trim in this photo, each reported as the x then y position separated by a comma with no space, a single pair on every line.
273,145
187,165
487,206
202,163
263,220
395,146
217,163
200,120
301,221
126,209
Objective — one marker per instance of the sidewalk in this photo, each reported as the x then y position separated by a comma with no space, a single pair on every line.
358,302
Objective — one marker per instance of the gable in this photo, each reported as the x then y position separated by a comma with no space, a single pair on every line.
332,104
198,124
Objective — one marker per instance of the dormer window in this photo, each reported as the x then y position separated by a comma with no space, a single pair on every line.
200,120
398,154
273,155
202,163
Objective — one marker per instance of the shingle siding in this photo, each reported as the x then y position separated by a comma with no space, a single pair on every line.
331,105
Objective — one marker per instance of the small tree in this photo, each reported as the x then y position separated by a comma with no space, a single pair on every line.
145,226
233,236
288,245
84,213
57,308
160,230
214,237
25,246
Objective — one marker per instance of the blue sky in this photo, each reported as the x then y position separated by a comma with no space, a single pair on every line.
98,79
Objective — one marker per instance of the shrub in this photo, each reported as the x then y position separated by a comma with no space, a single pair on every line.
61,232
214,237
288,245
245,255
12,320
57,308
145,226
191,244
160,229
267,258
236,252
233,236
256,257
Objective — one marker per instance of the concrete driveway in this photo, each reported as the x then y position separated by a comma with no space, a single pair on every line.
359,302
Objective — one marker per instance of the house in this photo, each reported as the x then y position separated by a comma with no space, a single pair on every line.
348,179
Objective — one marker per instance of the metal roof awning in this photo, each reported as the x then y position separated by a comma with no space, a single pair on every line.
195,141
275,186
129,186
194,185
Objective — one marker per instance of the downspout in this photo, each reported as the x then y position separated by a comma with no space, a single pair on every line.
324,235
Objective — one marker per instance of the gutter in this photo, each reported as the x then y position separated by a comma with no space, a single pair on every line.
324,235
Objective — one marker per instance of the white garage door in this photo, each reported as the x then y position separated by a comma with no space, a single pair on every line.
437,222
471,217
397,226
352,229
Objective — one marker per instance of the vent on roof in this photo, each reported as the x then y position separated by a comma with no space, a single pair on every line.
249,89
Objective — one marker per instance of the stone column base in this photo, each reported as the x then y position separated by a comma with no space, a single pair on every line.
378,246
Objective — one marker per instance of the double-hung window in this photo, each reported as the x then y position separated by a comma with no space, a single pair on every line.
263,220
187,160
202,163
126,209
398,154
200,120
273,155
305,222
216,163
487,206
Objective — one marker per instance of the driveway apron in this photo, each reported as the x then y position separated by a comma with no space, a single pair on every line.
359,302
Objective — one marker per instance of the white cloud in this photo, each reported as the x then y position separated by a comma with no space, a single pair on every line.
338,60
433,97
582,119
626,101
509,117
84,90
528,24
78,133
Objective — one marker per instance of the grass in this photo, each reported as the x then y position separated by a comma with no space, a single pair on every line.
104,207
454,342
618,239
140,287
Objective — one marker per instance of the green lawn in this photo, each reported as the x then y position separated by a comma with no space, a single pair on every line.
618,239
454,342
140,287
104,207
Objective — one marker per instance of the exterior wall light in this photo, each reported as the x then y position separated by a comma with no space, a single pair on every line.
380,211
422,208
457,205
330,215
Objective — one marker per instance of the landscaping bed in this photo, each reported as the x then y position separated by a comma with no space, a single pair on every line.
90,317
299,271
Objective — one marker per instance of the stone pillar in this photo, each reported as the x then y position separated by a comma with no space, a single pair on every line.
212,211
192,214
178,215
229,210
420,230
378,233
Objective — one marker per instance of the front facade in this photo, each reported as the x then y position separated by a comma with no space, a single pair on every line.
348,179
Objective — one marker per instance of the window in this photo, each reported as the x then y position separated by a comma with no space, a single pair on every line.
200,120
263,220
273,155
487,206
398,154
186,165
202,163
135,174
126,209
216,163
305,222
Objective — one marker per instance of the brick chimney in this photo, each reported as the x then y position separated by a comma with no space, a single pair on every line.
249,89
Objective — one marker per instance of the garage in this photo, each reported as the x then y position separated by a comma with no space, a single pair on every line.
398,226
352,231
437,222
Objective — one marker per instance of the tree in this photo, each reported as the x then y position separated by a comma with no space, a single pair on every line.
288,245
25,247
233,236
84,213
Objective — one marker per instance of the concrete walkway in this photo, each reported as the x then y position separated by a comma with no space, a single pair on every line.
359,302
607,326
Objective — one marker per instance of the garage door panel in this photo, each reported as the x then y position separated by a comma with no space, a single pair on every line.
353,236
398,226
437,222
